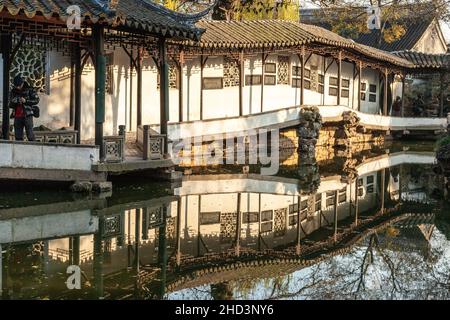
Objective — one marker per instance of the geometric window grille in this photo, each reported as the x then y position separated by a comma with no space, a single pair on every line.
31,63
112,226
280,222
230,72
173,78
109,80
228,223
155,217
283,70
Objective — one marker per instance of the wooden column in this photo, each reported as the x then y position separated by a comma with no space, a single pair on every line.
180,86
403,96
241,82
299,228
164,88
302,80
131,90
139,87
203,61
100,80
72,86
77,91
359,84
1,271
385,93
263,65
441,94
339,76
6,53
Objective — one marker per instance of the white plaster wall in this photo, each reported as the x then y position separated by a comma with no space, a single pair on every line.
369,77
39,156
432,41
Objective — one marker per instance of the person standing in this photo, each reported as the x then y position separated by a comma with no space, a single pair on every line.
23,101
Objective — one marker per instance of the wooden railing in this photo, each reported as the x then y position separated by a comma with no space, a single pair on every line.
150,142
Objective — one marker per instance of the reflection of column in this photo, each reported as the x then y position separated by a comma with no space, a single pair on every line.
1,270
259,222
383,187
162,253
238,225
76,250
299,230
137,225
199,210
336,199
356,202
98,258
178,244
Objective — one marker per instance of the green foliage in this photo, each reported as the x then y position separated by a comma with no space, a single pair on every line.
443,142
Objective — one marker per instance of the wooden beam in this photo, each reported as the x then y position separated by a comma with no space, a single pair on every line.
138,64
72,87
164,89
385,93
77,91
403,95
6,53
302,79
339,63
360,67
241,82
180,65
203,60
239,223
263,65
98,37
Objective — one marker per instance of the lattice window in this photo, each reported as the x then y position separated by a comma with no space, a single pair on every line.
109,83
230,72
112,226
228,221
173,78
280,222
283,70
31,64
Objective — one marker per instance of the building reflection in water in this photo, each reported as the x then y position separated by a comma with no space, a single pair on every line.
208,228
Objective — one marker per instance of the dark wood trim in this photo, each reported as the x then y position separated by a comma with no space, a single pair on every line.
403,95
6,53
385,93
132,65
72,87
339,76
336,217
138,64
263,64
203,61
180,65
302,78
164,89
98,39
359,84
241,82
77,91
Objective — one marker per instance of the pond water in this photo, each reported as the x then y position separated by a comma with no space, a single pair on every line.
370,225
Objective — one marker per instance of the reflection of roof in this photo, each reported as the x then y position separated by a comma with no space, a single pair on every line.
279,33
281,263
136,14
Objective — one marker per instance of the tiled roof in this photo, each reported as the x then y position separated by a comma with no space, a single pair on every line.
136,14
424,60
414,30
414,27
278,33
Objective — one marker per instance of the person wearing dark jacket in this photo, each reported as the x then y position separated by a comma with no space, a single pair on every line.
23,100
